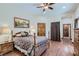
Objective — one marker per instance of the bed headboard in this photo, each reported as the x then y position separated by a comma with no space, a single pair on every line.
21,34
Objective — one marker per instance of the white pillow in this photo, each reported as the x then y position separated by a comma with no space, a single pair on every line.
22,33
18,34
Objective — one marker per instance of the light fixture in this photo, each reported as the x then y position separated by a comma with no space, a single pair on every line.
32,30
64,7
46,6
5,29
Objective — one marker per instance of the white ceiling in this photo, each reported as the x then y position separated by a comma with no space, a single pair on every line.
59,8
31,10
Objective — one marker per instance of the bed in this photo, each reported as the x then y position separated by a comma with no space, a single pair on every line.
31,45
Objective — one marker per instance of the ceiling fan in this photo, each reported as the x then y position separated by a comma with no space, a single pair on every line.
46,6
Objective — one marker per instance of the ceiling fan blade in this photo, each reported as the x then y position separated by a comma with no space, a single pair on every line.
51,3
50,8
43,10
39,7
45,4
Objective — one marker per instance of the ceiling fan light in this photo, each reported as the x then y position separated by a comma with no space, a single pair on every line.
46,7
42,4
64,7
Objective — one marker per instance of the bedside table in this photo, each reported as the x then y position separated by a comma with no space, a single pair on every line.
6,47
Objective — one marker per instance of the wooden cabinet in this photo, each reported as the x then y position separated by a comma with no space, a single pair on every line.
76,42
6,47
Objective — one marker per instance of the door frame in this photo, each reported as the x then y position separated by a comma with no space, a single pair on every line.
70,30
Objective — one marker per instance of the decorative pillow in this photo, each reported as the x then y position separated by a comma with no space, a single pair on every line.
23,34
18,35
26,33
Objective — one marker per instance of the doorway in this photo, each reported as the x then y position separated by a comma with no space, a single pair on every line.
67,31
55,31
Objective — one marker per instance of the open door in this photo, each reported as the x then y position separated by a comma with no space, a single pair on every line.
55,31
67,31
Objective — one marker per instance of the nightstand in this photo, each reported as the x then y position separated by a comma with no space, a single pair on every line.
6,47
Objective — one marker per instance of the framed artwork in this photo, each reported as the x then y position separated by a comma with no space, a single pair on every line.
41,29
21,23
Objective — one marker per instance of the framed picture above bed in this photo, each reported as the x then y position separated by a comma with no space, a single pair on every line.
21,23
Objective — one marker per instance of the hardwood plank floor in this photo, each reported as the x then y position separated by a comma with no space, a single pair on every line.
63,48
14,53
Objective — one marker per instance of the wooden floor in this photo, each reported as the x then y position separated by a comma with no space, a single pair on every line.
63,48
14,53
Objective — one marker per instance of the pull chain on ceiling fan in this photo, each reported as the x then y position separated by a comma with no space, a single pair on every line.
46,6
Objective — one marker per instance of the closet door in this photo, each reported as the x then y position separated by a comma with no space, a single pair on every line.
58,31
55,31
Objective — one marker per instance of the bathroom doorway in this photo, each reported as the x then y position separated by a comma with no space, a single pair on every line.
67,31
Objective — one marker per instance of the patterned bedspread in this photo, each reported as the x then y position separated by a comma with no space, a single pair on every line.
23,42
26,43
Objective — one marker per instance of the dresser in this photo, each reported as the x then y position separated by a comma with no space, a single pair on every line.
76,42
6,47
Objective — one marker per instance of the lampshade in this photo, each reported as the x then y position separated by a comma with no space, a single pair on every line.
32,30
5,29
